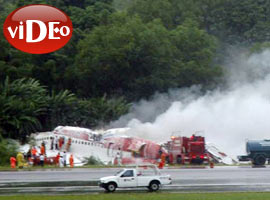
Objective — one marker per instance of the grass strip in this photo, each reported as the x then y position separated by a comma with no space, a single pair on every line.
147,196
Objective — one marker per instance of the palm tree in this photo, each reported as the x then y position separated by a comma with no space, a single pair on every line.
21,103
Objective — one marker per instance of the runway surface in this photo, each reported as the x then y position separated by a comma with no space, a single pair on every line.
219,179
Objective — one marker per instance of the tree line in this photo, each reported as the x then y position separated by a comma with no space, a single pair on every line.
121,51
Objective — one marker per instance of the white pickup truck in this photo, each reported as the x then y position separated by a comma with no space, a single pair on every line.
141,176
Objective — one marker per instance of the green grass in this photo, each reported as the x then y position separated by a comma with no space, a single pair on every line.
147,196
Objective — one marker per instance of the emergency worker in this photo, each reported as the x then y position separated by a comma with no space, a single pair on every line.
42,158
162,161
61,161
20,160
42,149
34,152
71,161
34,155
56,143
12,162
65,158
119,157
43,144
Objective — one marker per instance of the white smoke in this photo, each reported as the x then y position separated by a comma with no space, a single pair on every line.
227,117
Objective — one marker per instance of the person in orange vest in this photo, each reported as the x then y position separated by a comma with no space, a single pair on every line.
42,150
12,162
34,155
43,144
71,161
162,161
34,152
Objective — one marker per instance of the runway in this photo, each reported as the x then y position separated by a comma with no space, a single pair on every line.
219,179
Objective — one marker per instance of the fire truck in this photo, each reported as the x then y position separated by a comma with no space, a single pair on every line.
187,150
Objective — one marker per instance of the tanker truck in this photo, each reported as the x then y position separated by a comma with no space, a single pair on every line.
258,152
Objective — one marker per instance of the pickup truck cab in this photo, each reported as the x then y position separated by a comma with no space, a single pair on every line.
141,176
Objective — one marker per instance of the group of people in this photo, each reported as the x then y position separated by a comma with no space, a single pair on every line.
32,157
58,143
61,160
19,160
37,157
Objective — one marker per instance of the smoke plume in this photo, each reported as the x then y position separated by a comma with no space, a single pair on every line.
226,117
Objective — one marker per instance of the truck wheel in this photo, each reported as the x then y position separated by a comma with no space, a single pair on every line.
111,187
260,160
154,186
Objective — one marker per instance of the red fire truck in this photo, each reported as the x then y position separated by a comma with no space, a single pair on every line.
187,150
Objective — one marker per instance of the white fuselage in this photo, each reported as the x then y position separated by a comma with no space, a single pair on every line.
80,148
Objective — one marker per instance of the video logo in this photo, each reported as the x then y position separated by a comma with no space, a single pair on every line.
38,29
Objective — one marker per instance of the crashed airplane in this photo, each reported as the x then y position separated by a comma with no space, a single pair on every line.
104,146
107,147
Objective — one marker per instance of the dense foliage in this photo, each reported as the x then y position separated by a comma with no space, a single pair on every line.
121,51
8,148
26,107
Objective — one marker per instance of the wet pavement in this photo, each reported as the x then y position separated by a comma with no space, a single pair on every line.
219,179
